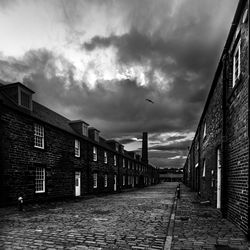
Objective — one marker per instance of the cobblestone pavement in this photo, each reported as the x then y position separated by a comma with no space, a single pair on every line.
130,220
202,227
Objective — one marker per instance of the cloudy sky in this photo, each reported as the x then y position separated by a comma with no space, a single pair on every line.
98,60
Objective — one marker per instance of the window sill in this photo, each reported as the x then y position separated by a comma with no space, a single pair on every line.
40,193
40,148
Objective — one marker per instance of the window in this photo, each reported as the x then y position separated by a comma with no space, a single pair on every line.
39,136
245,16
123,163
204,169
123,180
105,180
95,180
204,130
105,157
77,148
129,164
212,178
96,135
116,147
236,64
85,129
40,180
94,153
25,100
115,160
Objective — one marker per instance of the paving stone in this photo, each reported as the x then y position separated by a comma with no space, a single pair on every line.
139,218
205,227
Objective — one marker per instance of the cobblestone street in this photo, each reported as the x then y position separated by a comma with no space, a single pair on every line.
130,220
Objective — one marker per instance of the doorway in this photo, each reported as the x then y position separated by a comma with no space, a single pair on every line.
77,183
115,182
218,162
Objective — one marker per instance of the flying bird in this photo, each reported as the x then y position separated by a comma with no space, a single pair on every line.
149,100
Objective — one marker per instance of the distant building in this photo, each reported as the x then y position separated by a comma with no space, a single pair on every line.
171,175
217,166
46,156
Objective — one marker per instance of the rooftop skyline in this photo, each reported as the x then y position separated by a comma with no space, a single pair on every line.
100,60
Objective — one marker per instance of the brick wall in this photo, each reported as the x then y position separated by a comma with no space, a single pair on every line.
237,150
20,159
226,119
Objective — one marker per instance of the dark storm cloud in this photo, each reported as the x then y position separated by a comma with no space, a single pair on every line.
127,141
167,159
181,39
177,146
186,50
116,107
174,138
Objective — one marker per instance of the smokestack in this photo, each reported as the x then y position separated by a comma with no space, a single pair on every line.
145,147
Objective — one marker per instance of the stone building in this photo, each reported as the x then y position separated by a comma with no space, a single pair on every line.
217,166
45,156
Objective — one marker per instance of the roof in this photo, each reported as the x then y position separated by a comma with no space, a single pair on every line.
49,116
3,86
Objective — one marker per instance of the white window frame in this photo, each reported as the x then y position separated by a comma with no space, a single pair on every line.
94,153
115,160
123,163
204,169
77,148
204,130
105,157
38,136
105,180
40,180
95,181
236,54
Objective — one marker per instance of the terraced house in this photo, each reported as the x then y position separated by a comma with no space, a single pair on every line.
217,166
47,156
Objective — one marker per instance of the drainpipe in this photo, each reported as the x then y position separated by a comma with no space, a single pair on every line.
199,162
248,130
224,139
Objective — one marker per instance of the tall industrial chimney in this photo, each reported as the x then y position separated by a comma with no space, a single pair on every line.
145,147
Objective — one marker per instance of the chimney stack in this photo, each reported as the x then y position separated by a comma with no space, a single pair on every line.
144,158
